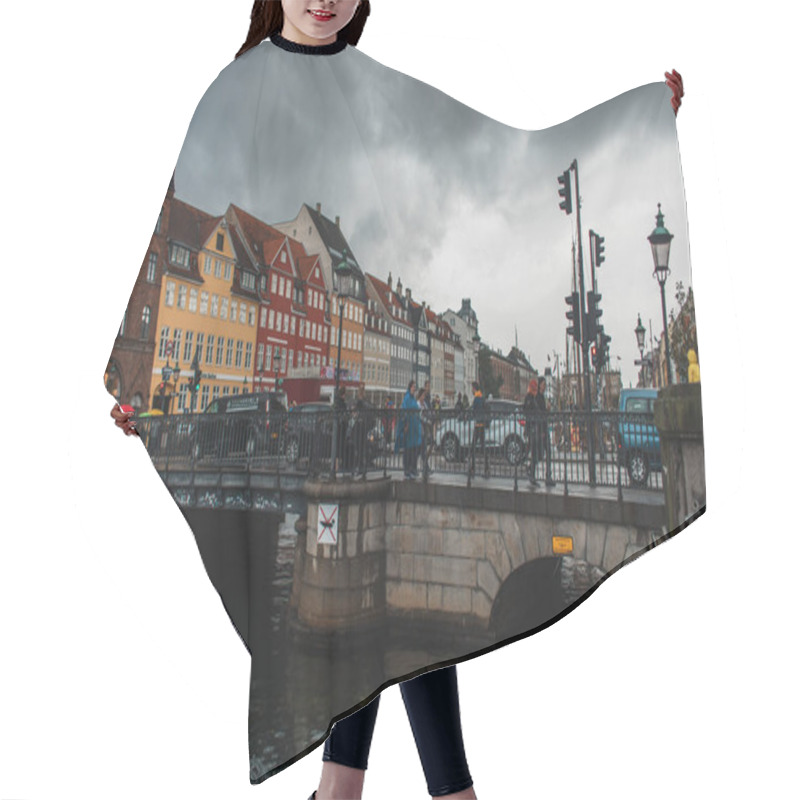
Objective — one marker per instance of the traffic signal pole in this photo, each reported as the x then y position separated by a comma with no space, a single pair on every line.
586,344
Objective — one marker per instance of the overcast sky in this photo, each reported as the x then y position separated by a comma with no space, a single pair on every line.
451,201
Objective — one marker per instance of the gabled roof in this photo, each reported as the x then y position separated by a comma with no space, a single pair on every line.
333,238
190,227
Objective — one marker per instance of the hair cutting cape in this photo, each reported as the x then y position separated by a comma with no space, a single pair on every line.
326,210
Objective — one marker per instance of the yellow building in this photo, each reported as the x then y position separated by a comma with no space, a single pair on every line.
207,310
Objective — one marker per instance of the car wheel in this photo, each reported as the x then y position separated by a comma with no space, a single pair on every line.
251,444
292,449
514,449
450,448
638,468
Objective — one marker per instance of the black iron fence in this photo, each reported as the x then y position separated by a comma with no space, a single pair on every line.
548,449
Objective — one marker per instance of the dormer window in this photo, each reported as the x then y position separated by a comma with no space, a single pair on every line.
283,256
179,255
220,241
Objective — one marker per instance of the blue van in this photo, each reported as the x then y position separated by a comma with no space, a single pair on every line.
639,446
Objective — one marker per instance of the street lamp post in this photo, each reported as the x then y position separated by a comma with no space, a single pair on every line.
345,288
660,240
640,331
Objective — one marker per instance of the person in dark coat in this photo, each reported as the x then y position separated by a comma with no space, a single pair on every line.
530,408
359,432
479,429
340,420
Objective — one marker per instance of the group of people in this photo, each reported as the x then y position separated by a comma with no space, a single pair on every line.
416,429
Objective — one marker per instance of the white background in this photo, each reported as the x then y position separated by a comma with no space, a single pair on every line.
120,674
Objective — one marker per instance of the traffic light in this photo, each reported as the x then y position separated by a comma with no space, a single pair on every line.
574,315
593,314
602,352
565,192
198,374
598,248
594,354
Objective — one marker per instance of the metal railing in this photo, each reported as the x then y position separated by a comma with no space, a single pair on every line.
551,448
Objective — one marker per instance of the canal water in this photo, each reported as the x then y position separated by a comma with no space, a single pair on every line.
301,680
298,681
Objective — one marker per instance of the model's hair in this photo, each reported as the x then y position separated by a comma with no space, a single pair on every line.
266,19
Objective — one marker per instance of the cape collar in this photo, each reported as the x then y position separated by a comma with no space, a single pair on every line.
309,49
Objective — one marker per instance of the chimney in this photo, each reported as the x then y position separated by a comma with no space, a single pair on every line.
408,293
399,287
319,208
337,220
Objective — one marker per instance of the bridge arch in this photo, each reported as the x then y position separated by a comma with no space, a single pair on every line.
538,591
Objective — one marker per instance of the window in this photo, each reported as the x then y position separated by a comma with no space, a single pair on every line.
215,393
260,357
183,397
248,355
223,312
283,256
271,322
234,310
217,268
278,321
274,283
199,349
220,241
248,280
169,294
288,290
145,323
152,260
242,314
207,264
268,359
204,397
179,255
220,349
227,270
229,353
238,362
292,326
181,297
263,320
286,323
193,300
187,346
290,362
214,305
313,330
204,302
210,349
281,285
251,316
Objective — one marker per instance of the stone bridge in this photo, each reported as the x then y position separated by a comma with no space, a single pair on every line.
486,560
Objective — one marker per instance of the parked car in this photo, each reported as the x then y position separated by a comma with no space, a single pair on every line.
505,431
242,424
639,445
310,432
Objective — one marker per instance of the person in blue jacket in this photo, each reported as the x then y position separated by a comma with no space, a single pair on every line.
409,431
